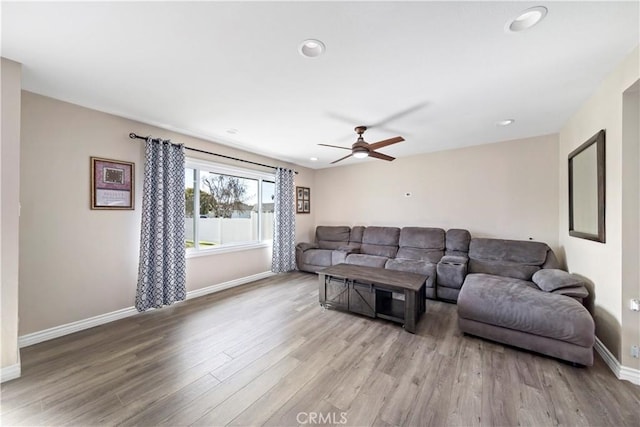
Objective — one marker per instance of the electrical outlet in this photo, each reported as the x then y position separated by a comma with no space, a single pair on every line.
634,304
635,351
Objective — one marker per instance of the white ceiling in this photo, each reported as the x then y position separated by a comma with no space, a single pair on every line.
438,73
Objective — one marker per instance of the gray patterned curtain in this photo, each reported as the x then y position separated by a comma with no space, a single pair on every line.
284,229
162,269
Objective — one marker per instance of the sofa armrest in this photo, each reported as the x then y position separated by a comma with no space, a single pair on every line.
578,292
451,271
454,260
303,247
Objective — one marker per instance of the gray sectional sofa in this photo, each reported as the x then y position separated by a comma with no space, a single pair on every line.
412,249
516,294
508,291
315,256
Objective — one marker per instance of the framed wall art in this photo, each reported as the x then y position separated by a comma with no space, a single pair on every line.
303,200
587,189
112,184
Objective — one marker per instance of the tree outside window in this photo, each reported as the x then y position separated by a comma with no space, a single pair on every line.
232,208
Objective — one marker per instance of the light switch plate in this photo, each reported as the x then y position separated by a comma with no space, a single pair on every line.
634,304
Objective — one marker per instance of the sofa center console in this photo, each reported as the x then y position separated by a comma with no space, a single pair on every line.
374,292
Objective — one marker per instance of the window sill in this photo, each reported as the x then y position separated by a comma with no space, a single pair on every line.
190,253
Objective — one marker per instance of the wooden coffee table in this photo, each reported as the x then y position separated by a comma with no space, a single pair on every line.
375,292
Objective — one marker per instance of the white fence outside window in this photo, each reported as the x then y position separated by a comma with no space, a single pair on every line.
231,230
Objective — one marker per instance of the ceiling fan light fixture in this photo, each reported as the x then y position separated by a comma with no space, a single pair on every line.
360,153
361,149
527,19
311,48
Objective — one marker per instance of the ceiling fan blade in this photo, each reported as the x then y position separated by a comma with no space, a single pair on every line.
398,115
378,125
339,160
342,118
334,146
385,142
380,156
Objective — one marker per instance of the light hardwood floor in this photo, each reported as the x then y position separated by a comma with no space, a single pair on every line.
267,354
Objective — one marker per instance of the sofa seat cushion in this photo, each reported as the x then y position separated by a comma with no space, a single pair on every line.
521,306
317,257
367,260
429,255
411,266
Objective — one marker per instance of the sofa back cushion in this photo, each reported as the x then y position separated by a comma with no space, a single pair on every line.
457,242
380,241
508,258
332,237
355,239
421,244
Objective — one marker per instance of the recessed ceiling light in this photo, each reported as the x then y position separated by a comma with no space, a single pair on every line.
506,122
311,48
232,131
313,159
527,19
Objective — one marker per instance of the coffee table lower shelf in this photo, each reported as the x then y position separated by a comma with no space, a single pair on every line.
374,292
394,313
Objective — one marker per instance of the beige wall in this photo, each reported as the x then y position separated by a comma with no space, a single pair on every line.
77,263
507,190
631,218
10,208
305,223
602,263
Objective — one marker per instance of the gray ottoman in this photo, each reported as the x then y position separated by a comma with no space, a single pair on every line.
518,313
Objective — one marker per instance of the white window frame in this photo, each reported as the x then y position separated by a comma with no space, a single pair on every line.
199,165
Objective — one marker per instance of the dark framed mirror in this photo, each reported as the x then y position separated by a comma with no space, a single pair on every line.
587,189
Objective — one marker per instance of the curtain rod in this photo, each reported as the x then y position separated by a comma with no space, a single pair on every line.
135,136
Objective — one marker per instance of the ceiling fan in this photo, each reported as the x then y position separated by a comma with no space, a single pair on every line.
361,149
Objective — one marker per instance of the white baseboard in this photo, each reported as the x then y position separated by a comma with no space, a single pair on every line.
621,372
11,372
630,374
80,325
69,328
226,285
608,357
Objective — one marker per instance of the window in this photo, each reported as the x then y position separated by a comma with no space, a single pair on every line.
226,207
